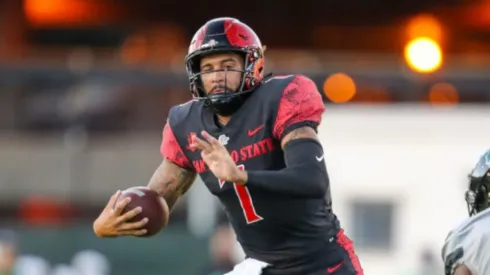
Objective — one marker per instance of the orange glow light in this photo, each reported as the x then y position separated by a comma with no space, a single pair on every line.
423,55
339,88
425,25
443,94
134,49
49,12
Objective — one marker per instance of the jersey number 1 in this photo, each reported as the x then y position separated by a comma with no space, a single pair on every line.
245,200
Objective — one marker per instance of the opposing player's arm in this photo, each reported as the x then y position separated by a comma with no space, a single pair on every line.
462,270
174,176
454,263
462,255
299,115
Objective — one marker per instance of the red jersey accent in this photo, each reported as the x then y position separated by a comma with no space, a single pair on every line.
348,245
300,102
171,150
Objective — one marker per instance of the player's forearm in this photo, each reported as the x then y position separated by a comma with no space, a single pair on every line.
305,174
171,182
170,196
297,181
166,189
170,190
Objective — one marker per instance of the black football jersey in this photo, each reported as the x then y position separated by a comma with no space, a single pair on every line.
275,228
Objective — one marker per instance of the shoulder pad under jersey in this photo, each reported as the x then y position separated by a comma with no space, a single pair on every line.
180,113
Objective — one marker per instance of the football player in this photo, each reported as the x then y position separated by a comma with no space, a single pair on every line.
465,249
253,141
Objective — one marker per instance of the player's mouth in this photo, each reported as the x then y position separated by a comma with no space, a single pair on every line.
219,90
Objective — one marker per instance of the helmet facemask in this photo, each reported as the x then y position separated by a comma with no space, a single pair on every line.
477,200
477,196
228,101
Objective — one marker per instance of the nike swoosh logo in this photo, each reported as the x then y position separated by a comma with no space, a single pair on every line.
319,158
331,270
254,131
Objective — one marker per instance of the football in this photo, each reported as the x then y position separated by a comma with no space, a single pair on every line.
154,207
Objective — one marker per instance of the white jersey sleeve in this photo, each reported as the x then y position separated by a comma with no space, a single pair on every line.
469,244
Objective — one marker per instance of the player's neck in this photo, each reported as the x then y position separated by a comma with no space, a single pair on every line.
222,120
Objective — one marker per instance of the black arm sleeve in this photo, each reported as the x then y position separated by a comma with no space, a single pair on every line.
305,173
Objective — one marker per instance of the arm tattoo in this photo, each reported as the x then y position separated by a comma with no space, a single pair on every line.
302,132
171,181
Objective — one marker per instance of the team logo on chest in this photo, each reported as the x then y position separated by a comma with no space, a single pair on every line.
223,140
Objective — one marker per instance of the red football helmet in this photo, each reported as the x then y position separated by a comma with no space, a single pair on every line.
225,35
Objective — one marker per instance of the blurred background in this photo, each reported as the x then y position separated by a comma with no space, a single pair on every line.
86,86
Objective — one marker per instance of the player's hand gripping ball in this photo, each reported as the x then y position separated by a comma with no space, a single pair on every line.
153,206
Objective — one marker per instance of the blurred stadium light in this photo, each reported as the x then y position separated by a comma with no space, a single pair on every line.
339,88
424,25
423,55
424,35
443,94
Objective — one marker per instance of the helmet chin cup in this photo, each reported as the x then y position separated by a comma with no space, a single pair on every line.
224,105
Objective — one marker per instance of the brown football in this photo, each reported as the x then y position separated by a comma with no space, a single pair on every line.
154,207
